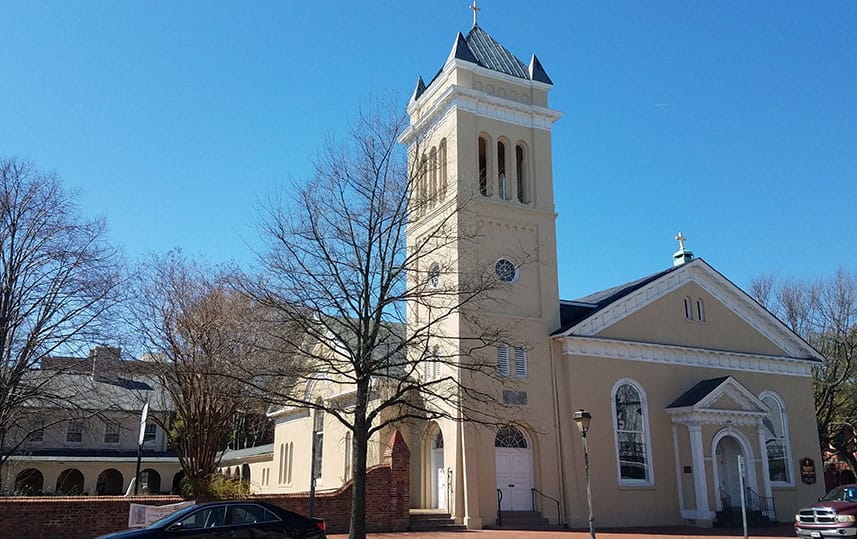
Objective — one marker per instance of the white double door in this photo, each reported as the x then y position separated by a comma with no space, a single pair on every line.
515,478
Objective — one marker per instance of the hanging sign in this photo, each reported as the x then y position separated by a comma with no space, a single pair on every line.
807,470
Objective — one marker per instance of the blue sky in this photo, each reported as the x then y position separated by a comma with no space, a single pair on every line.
734,122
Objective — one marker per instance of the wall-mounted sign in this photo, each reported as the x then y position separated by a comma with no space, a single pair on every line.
807,470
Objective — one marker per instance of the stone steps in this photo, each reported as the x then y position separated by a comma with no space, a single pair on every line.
433,520
523,520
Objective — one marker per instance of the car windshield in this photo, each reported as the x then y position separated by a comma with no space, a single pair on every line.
160,523
841,494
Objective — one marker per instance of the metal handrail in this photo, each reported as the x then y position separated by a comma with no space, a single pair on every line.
534,491
499,512
725,500
757,502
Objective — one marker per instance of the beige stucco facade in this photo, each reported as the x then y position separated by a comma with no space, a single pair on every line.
707,374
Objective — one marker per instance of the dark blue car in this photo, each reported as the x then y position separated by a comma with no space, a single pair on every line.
235,520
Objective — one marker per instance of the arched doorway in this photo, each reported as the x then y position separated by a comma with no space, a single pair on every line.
513,458
109,483
150,481
70,482
437,472
29,482
245,473
729,482
177,482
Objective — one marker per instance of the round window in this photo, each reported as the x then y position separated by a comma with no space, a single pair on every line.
434,275
506,270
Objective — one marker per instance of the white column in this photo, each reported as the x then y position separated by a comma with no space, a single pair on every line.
678,470
700,485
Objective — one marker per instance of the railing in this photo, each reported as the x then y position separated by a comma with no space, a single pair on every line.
725,501
499,512
763,504
560,518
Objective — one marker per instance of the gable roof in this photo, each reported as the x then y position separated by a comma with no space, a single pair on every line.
573,312
697,393
590,314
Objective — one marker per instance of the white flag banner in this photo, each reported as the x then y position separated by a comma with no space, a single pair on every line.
140,516
143,417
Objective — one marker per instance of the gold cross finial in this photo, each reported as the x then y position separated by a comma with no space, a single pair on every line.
681,239
476,11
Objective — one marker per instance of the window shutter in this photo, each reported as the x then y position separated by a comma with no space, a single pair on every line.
520,361
503,361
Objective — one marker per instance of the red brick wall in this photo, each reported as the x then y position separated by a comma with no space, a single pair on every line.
81,517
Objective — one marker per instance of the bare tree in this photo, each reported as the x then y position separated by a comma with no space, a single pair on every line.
824,313
59,282
367,303
199,331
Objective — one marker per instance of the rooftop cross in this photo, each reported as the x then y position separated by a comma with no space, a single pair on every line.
681,239
476,11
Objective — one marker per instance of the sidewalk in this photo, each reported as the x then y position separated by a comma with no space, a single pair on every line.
783,531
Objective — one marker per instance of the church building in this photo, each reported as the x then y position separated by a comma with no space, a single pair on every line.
698,396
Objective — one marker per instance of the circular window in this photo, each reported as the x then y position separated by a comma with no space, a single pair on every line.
434,275
506,270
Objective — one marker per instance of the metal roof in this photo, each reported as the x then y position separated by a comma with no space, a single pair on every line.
492,55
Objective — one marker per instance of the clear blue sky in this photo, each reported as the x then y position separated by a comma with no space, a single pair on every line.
734,122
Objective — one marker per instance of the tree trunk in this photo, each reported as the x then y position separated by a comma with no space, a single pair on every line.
360,448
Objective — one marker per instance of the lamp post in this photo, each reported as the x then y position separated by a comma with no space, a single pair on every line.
582,418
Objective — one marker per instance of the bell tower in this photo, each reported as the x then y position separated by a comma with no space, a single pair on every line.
479,143
480,137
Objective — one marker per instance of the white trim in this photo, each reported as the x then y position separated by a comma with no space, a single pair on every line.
700,273
786,436
683,355
644,403
750,460
678,470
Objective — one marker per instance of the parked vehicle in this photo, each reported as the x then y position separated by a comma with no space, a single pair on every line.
835,515
235,519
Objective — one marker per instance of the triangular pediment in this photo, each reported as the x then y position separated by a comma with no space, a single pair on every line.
717,394
736,323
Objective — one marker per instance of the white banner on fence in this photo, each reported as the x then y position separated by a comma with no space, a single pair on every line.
140,515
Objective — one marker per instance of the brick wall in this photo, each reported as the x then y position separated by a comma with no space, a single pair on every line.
81,517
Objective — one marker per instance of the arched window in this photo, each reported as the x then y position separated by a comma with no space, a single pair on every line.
423,196
777,439
631,421
510,436
482,165
281,475
700,310
289,462
433,172
520,174
442,158
318,441
502,184
688,309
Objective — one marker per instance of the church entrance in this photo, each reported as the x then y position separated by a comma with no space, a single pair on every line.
438,473
513,458
729,493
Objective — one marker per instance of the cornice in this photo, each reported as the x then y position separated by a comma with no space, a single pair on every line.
683,355
737,418
497,108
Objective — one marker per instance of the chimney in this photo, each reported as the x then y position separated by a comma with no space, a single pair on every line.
105,362
682,256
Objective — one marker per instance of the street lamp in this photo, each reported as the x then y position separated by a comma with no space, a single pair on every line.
583,418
